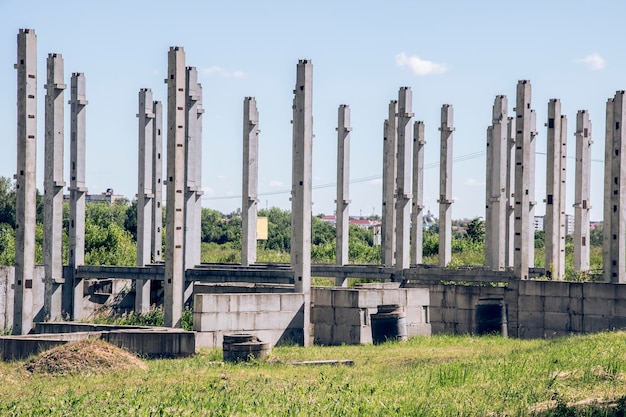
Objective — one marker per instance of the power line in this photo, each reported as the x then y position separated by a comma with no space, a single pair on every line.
460,158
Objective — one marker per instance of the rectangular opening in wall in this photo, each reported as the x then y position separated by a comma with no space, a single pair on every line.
583,241
549,199
551,123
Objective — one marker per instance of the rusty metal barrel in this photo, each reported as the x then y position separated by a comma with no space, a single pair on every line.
388,323
243,347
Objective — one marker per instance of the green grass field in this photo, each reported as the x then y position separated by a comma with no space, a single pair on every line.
426,376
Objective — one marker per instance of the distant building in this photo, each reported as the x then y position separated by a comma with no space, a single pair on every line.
357,221
106,197
539,223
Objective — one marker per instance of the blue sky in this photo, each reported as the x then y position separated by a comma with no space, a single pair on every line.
449,52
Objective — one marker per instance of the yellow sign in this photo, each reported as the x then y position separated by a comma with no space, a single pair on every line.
261,228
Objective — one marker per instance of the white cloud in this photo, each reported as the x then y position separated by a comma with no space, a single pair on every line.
419,66
594,62
208,191
473,182
275,183
215,70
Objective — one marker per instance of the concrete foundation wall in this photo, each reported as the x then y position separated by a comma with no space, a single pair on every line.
273,317
342,315
535,309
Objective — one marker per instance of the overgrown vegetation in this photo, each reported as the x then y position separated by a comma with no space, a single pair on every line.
426,376
111,230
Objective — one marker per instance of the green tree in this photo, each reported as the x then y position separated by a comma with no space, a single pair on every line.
476,229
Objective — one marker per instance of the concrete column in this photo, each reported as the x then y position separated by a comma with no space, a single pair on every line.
403,178
53,188
175,201
145,196
524,181
193,188
555,191
510,191
78,190
250,200
390,148
417,231
25,193
496,176
301,188
445,185
582,193
156,244
343,188
614,248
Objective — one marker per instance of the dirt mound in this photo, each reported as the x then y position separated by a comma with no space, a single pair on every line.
84,357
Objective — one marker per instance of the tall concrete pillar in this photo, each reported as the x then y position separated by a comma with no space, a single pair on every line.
26,203
417,231
301,188
53,188
193,177
524,181
145,196
555,191
614,223
582,193
445,185
496,176
403,178
510,192
342,213
175,201
156,245
390,148
250,200
78,190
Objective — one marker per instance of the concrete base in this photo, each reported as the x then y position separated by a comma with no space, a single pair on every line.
142,341
343,315
272,317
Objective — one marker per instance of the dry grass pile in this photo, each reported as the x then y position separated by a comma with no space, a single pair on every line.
84,357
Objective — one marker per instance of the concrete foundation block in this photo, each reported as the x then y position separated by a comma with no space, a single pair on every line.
576,305
322,315
417,297
465,301
449,314
593,323
418,330
557,321
341,335
599,290
390,296
531,303
413,315
345,298
322,296
555,289
364,335
205,340
598,306
576,290
531,332
617,323
350,316
370,298
244,321
555,304
291,302
576,323
323,334
270,302
531,288
531,319
620,291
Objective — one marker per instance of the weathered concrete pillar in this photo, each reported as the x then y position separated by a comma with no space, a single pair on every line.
510,191
417,231
156,244
78,190
445,185
193,177
496,176
53,188
342,213
250,200
524,181
390,148
582,193
555,191
403,178
614,223
26,203
301,188
175,212
145,196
